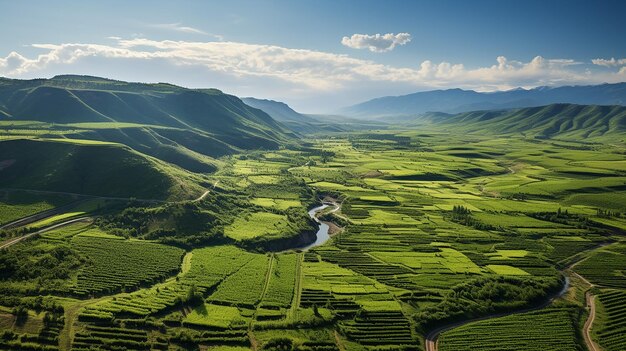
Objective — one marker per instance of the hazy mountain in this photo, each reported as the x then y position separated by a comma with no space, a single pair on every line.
279,111
303,123
458,100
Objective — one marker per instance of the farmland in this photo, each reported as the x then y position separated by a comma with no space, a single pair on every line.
609,332
434,229
534,331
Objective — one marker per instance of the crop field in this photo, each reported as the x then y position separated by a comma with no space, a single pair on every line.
280,204
428,229
245,286
606,267
611,326
116,264
534,331
282,281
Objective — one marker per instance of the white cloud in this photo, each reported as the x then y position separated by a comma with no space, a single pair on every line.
179,28
612,62
376,42
249,67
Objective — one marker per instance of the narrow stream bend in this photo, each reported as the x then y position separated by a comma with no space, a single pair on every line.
322,235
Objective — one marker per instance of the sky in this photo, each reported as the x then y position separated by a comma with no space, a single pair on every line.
319,56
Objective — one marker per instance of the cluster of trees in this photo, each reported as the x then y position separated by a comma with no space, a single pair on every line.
47,266
463,215
485,296
185,225
607,213
15,232
324,156
564,217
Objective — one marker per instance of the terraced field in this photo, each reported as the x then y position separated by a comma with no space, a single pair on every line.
606,267
118,265
611,325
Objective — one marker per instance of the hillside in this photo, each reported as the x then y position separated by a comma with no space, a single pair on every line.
167,121
562,120
98,169
458,100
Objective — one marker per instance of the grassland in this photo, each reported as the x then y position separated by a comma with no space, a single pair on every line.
257,224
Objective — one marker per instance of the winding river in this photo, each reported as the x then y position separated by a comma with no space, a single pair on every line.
322,234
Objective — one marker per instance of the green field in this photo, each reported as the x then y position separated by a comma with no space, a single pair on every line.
257,224
432,229
549,330
609,330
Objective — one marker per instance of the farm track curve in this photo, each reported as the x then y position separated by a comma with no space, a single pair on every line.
431,340
590,304
14,241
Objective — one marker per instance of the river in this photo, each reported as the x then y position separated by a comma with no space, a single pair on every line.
322,235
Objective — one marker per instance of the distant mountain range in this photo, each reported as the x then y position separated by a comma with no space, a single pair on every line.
458,100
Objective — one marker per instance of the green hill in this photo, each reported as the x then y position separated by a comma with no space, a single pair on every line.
97,169
562,120
179,125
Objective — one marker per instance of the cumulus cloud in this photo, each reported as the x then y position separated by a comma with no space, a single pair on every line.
306,70
612,62
376,42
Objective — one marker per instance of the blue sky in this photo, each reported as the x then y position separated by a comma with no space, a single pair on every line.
319,55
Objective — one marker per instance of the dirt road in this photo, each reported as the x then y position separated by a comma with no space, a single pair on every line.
590,302
431,340
24,237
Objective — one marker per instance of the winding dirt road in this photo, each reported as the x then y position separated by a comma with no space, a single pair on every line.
431,340
14,241
590,302
58,210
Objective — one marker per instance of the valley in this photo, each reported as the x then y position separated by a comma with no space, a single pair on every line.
323,175
430,229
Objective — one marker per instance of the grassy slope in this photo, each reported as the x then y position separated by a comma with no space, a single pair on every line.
199,121
93,169
562,120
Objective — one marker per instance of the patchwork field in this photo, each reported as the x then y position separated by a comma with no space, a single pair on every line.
430,230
